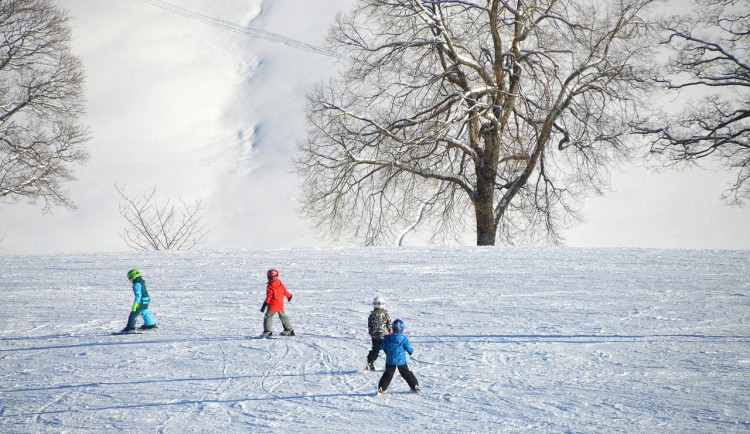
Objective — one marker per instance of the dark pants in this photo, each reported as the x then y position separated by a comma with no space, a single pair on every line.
373,354
385,380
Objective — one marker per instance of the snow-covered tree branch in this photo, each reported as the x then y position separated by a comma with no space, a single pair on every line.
505,110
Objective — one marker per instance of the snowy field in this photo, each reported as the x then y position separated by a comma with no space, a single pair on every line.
505,339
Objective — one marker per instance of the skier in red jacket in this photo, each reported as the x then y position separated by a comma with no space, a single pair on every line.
275,293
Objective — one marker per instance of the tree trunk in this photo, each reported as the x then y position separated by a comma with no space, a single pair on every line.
484,206
486,228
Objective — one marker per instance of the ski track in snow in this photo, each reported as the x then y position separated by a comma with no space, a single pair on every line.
505,339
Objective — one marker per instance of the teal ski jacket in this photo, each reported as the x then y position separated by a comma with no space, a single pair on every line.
140,292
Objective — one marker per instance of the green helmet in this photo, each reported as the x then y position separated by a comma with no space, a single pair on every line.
133,274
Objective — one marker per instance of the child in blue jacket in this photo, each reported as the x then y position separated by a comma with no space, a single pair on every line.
396,346
140,303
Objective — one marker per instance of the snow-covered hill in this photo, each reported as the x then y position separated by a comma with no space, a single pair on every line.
193,98
519,340
193,106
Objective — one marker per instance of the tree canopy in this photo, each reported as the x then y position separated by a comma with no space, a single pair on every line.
41,103
710,50
492,114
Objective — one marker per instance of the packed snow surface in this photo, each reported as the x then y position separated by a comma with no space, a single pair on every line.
505,339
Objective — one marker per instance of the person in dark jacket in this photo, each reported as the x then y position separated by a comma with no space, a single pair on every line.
396,345
140,303
378,326
275,293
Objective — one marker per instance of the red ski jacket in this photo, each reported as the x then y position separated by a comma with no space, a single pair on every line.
275,293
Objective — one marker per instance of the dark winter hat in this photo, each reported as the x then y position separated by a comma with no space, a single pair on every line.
398,326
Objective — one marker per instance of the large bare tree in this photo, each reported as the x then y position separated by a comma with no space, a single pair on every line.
41,103
711,55
453,113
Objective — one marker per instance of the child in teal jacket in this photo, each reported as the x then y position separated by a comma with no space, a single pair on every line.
140,303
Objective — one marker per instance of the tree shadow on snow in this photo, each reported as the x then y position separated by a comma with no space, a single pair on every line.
572,338
143,405
175,380
137,339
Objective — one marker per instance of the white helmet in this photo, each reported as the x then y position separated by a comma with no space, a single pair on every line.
378,303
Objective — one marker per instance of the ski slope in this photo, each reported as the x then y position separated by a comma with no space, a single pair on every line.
505,339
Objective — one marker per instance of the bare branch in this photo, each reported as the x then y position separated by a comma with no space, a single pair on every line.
154,226
509,110
710,48
41,103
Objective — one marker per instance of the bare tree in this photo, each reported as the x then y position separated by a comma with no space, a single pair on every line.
452,113
711,50
41,103
160,226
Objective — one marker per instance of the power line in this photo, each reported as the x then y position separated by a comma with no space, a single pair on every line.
247,31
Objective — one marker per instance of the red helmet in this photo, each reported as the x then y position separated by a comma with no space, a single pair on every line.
272,273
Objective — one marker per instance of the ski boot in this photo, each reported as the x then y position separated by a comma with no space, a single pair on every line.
288,333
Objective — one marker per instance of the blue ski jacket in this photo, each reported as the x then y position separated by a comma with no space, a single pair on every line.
396,346
139,290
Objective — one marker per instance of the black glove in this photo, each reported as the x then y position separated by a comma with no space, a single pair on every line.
263,308
289,298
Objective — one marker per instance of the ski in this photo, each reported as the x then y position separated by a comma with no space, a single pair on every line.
415,391
137,331
265,335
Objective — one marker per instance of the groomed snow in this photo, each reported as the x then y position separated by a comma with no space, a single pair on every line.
505,339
